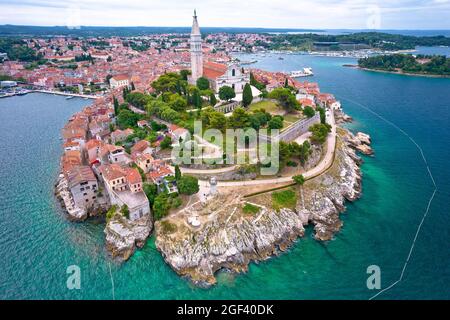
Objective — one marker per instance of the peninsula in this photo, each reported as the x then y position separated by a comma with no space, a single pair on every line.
418,65
121,158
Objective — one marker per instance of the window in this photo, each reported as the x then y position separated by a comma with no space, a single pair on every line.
84,194
81,189
233,73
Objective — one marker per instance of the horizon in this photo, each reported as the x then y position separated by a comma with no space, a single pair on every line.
264,14
227,27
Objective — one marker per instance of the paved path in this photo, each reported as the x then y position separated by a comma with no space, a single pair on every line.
324,164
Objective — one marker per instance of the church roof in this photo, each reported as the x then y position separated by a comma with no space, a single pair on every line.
213,70
195,27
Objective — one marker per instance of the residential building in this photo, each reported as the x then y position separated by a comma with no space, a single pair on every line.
83,186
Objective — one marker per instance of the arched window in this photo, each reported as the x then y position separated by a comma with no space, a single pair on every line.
233,73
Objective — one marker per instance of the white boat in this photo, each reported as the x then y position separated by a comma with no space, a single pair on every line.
306,72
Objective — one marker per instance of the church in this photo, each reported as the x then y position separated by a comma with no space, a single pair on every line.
218,74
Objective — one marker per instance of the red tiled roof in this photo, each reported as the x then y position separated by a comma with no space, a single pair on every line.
213,70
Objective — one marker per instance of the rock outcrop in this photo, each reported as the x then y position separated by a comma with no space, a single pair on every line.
360,142
230,244
124,236
324,200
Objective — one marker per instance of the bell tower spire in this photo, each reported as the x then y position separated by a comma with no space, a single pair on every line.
196,50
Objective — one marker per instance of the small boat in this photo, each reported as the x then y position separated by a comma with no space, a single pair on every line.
69,97
306,72
280,58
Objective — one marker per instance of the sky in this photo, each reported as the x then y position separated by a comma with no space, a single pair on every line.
301,14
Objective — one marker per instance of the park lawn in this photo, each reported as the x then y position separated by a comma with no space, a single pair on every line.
269,106
284,199
250,209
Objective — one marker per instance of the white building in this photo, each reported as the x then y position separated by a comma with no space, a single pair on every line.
124,187
119,81
83,186
230,75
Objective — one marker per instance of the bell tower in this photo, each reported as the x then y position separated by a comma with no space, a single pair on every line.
196,50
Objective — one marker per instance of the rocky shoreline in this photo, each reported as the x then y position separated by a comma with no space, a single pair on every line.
123,236
229,239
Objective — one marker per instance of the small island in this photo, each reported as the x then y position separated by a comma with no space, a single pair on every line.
418,65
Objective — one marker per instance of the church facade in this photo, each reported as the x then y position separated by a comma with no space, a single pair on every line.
218,74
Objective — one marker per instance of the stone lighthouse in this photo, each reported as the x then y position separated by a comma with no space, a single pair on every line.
196,51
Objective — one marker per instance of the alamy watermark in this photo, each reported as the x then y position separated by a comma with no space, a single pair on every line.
74,279
374,280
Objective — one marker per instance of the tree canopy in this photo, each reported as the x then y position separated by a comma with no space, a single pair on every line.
226,93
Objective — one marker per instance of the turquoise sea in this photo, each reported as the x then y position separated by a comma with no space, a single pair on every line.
37,243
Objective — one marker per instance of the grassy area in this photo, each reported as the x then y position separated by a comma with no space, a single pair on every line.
269,106
291,117
167,227
251,209
284,199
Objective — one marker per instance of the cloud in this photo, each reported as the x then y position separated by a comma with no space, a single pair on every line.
323,14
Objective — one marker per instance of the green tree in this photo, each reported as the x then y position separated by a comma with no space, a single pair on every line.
166,143
127,119
218,121
184,74
247,96
125,211
239,119
212,99
323,117
178,103
116,105
202,83
161,206
226,93
196,99
300,180
188,185
285,98
275,123
319,132
309,111
177,173
151,191
169,82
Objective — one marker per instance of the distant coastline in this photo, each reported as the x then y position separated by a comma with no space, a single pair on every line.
397,72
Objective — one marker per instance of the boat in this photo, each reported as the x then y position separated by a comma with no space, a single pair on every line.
280,58
306,72
69,97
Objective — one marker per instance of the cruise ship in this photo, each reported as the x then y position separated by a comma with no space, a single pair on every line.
306,72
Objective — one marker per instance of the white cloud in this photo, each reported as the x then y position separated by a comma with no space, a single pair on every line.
322,14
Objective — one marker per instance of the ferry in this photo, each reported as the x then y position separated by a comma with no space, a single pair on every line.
306,72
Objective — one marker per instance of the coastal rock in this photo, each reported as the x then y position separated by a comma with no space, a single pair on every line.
360,142
124,236
363,138
365,149
231,244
